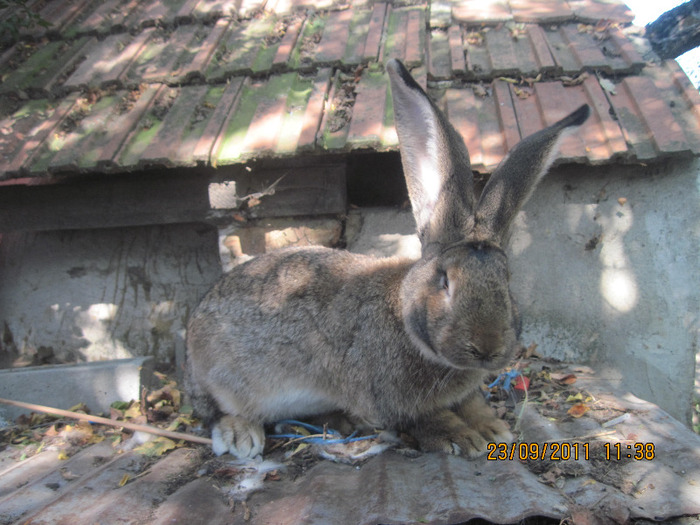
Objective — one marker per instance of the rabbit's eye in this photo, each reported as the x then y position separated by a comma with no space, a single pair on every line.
444,283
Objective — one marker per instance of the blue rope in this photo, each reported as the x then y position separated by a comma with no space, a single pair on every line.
505,378
316,440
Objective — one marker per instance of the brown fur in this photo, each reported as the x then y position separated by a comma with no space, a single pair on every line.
398,344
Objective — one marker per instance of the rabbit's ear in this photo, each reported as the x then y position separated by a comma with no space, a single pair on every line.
435,162
515,178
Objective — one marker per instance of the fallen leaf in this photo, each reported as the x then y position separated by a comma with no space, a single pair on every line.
574,81
62,455
227,472
531,351
479,90
156,447
133,412
578,410
125,479
273,476
68,475
607,85
574,398
80,407
564,379
622,201
299,448
521,93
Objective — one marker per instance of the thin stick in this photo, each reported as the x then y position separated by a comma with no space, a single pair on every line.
105,421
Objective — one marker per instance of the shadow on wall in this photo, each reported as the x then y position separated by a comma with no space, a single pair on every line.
90,295
605,266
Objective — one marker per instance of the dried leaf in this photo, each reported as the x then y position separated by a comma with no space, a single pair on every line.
578,410
227,472
68,475
299,448
607,85
574,81
273,475
80,407
564,379
62,455
521,93
622,201
125,479
133,412
479,90
156,447
575,398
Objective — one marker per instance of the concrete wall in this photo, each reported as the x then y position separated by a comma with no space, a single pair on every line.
606,269
89,295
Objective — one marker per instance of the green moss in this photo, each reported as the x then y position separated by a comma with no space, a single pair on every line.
41,107
148,129
313,28
297,101
234,135
359,27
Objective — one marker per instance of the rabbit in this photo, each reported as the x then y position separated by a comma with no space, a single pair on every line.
396,344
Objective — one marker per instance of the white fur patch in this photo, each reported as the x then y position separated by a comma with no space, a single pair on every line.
294,401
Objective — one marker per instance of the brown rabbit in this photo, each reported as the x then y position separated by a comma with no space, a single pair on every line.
398,344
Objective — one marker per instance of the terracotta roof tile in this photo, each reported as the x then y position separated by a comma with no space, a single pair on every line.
477,12
285,79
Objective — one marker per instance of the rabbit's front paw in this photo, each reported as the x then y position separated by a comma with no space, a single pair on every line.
479,416
237,436
447,432
466,431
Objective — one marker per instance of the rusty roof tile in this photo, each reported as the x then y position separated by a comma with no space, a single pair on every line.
43,73
366,129
198,53
591,11
647,118
105,63
477,12
374,34
108,17
244,49
59,15
313,113
29,129
210,140
174,143
287,43
405,35
157,59
440,55
654,110
212,9
334,39
540,11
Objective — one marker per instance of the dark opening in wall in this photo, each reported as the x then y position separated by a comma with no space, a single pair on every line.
376,179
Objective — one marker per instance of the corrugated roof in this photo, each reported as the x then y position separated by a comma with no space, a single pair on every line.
116,86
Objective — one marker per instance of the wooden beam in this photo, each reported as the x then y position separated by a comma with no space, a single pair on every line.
170,197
